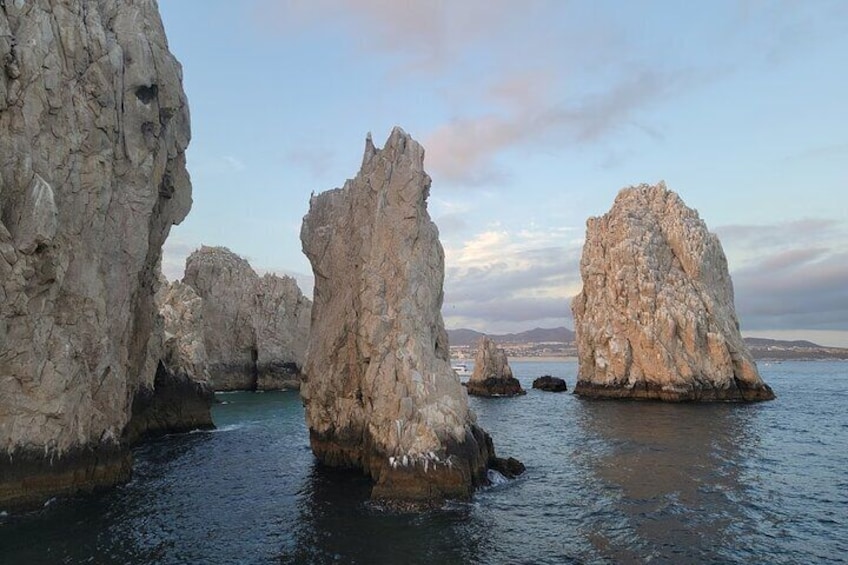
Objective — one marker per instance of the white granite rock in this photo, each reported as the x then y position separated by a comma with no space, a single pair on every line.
655,318
378,388
93,130
255,328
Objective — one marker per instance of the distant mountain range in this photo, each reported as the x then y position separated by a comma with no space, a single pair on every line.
761,348
537,335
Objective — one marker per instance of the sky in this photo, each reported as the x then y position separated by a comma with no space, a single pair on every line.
533,115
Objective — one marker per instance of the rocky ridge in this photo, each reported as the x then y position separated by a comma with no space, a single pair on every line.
256,328
492,374
93,130
378,388
655,318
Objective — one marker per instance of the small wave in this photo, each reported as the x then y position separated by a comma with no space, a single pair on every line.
495,478
229,428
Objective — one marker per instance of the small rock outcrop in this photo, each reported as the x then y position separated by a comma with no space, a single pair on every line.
256,329
655,318
94,126
492,374
180,398
378,387
550,384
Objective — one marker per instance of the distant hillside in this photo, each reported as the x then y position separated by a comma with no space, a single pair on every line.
779,350
761,348
537,335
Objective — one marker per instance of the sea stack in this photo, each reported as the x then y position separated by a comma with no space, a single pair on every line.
94,126
492,374
181,397
655,318
255,328
378,388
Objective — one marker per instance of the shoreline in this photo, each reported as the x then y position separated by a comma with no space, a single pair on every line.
546,359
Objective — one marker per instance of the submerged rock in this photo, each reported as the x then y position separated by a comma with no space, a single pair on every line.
378,387
655,318
181,397
93,130
492,374
550,384
256,328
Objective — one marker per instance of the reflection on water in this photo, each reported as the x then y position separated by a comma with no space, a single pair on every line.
336,523
670,476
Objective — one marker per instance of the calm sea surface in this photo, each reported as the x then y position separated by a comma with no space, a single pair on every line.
606,482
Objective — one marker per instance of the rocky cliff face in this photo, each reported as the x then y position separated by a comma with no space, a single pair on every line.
655,318
378,388
492,374
256,329
181,396
93,129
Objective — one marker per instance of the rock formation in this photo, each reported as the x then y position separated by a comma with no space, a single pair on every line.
93,129
255,328
492,374
550,384
181,396
655,318
378,388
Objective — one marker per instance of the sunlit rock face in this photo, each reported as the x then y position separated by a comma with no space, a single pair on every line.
255,328
655,318
378,388
492,374
93,130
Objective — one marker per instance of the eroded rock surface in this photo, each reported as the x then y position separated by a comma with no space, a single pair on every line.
181,396
492,374
256,329
655,318
550,384
93,129
378,388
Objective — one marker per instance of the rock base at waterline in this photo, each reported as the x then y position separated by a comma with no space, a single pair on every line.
27,478
550,384
413,481
741,392
495,387
176,404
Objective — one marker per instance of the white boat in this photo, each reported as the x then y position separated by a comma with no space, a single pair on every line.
461,369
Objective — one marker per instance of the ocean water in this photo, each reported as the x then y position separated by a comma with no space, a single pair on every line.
606,482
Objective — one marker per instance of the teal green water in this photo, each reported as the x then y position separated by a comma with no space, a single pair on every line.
606,482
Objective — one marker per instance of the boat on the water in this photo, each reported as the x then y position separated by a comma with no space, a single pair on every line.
461,369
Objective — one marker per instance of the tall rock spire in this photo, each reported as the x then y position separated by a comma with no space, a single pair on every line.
378,388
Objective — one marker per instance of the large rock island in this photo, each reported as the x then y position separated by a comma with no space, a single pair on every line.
492,374
93,130
255,328
655,318
378,388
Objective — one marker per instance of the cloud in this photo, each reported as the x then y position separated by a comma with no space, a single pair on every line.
789,275
174,254
463,149
426,34
800,289
503,279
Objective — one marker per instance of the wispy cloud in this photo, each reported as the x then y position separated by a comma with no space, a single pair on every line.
790,275
502,277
